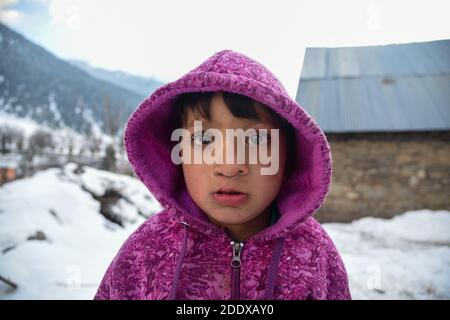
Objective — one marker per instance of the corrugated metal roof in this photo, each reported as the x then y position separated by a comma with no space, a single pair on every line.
398,87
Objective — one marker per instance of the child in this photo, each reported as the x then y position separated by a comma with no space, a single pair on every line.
227,230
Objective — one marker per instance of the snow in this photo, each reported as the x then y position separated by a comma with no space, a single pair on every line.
406,257
54,110
61,137
9,161
80,241
26,125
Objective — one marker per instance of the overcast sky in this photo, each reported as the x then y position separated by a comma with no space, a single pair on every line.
167,38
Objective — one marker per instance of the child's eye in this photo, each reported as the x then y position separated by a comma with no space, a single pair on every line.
201,139
259,138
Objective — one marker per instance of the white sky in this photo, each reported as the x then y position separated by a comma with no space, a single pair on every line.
168,38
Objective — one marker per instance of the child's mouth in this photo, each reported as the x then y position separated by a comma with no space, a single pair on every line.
230,192
230,197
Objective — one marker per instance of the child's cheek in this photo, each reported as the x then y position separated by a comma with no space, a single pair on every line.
194,174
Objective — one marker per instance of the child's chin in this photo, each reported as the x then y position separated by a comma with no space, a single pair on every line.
229,220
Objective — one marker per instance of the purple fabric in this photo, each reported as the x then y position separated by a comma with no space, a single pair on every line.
179,254
273,269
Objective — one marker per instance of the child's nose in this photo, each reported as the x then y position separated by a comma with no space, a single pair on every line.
231,170
234,159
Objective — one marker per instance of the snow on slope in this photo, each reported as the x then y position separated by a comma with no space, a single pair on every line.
407,257
80,242
61,137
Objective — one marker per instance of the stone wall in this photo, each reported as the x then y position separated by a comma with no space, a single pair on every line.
385,174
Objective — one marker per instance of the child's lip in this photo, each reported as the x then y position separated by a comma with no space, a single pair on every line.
228,190
230,199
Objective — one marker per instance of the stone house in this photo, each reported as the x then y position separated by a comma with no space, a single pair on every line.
386,113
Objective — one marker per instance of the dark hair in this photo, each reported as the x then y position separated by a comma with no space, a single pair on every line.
239,105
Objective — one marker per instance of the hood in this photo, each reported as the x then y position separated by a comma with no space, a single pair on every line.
148,144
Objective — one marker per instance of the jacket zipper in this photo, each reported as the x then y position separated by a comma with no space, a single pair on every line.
236,269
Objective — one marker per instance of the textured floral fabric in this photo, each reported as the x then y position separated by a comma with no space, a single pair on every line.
179,254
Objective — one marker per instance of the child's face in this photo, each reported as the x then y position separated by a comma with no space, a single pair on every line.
204,180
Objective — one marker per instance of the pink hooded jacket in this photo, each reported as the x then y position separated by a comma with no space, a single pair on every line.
179,254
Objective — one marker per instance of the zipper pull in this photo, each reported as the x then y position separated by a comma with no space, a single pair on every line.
237,249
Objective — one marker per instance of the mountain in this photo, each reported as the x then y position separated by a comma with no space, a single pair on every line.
141,85
36,84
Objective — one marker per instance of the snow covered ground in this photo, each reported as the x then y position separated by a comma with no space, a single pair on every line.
80,242
407,257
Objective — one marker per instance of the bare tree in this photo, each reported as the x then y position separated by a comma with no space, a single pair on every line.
93,143
109,160
20,142
10,137
40,140
70,144
3,138
112,123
